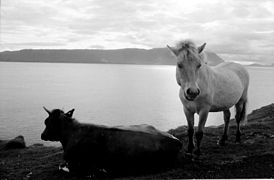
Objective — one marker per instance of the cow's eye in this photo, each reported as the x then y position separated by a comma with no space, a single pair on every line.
179,65
47,122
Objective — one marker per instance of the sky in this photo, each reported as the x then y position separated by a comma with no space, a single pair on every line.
237,30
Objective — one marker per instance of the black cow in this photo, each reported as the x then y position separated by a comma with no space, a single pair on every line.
89,147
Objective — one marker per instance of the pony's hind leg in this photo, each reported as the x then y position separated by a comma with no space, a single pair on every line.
223,138
240,116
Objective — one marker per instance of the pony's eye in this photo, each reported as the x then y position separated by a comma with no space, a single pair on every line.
199,66
179,65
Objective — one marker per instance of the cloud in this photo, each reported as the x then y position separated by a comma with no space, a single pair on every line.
232,28
37,44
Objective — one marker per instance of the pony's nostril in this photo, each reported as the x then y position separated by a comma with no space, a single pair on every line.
188,91
198,92
192,93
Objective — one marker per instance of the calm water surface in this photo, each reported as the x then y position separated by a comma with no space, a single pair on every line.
102,94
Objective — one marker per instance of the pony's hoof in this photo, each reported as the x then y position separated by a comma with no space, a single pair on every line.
189,150
238,141
188,153
197,152
188,156
221,142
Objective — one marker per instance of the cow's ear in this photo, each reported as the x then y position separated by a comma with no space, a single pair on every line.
46,110
70,113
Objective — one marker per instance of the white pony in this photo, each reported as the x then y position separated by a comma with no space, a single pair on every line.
207,89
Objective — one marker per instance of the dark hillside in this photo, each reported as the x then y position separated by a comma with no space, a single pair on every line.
253,158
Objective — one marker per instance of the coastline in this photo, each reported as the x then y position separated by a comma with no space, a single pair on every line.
253,158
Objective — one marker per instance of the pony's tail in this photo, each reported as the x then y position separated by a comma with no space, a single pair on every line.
243,115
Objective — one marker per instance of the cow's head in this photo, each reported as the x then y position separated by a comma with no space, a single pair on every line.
54,124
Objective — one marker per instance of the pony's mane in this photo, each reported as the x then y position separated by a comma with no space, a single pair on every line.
189,47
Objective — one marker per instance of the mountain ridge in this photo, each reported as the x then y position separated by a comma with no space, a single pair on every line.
155,56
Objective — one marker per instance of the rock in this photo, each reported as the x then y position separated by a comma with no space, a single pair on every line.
249,141
265,113
37,145
16,143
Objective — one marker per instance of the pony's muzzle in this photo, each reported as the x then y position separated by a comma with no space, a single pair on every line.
192,93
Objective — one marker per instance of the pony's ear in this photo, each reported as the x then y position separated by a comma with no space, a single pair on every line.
201,48
173,50
46,110
70,113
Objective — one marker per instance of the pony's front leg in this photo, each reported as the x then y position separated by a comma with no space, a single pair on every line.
190,121
200,132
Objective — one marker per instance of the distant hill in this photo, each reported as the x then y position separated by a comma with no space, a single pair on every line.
160,56
261,65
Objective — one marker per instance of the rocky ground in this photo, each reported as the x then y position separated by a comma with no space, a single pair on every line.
253,158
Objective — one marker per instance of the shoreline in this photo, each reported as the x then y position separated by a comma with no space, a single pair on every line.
253,158
109,63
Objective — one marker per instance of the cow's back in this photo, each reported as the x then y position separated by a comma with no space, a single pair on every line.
139,146
137,138
123,147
